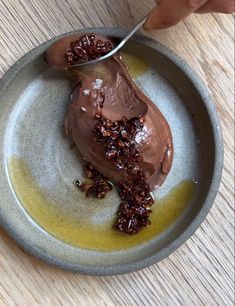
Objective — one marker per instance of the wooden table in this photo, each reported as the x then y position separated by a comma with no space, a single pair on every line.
201,271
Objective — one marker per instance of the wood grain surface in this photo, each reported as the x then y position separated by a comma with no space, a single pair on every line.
201,272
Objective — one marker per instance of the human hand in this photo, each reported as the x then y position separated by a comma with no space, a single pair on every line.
169,12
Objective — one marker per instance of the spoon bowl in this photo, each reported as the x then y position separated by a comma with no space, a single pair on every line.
120,44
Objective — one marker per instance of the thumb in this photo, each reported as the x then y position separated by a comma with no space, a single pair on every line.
169,12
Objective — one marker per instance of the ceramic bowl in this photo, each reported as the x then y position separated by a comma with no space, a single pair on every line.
40,206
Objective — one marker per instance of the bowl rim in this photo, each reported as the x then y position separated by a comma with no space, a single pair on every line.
217,171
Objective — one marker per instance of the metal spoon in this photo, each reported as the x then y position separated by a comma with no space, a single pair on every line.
117,48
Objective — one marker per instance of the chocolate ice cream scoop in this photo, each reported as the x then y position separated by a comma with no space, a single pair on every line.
107,88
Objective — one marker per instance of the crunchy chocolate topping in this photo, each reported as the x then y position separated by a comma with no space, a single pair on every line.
118,140
135,209
87,48
98,186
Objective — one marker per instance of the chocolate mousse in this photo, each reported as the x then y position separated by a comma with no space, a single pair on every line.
118,130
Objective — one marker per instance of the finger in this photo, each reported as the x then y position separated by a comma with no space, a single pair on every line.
217,6
169,12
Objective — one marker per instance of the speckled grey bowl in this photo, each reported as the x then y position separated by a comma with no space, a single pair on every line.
33,102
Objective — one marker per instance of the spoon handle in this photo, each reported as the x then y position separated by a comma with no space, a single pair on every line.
129,35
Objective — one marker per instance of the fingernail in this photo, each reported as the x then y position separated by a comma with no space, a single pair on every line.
147,26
